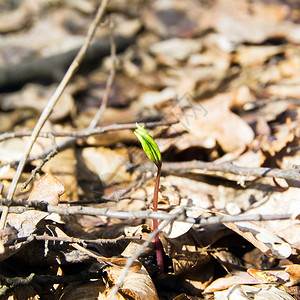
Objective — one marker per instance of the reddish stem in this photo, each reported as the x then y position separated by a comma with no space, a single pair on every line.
158,246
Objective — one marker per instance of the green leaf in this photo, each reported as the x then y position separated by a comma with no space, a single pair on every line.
149,146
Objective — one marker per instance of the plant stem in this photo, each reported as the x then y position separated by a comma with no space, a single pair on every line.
158,246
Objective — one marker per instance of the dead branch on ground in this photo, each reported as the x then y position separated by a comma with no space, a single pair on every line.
143,214
228,167
87,132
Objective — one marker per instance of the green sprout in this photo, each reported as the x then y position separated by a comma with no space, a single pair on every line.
152,151
149,146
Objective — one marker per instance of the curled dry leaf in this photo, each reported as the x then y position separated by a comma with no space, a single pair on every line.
265,240
26,223
235,292
137,285
48,189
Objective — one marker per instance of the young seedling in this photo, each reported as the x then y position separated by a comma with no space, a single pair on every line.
152,151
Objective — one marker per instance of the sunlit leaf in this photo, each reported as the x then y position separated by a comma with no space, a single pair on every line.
149,146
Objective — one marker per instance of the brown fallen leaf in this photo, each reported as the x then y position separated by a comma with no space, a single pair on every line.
280,202
213,122
294,272
17,19
178,192
240,23
137,285
241,278
48,189
84,291
20,226
35,97
64,165
261,291
262,276
251,56
226,282
282,90
177,49
110,166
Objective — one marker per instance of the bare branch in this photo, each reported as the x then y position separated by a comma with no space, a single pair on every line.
189,166
64,239
39,167
82,134
87,132
144,214
110,79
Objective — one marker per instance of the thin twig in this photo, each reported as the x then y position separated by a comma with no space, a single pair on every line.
110,79
148,214
87,132
189,166
64,239
50,105
38,169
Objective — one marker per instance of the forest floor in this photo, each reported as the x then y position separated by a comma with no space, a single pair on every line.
216,84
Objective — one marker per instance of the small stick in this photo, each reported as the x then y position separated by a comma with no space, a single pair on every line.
110,79
39,167
63,209
87,132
